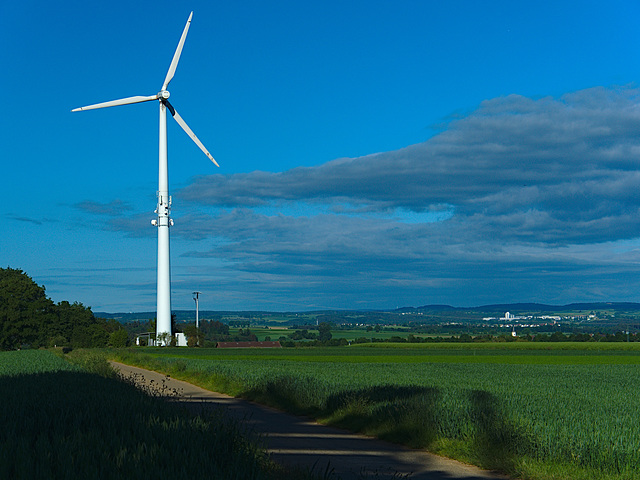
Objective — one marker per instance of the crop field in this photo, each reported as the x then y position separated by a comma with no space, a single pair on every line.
31,362
60,420
537,411
349,334
261,332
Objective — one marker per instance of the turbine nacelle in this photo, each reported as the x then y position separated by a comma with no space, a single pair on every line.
163,95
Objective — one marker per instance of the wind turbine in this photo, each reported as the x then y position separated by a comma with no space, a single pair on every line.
163,221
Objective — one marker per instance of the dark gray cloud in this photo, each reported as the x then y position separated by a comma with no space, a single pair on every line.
136,225
114,208
26,219
555,170
387,263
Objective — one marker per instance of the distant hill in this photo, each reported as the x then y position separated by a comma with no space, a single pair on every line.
501,308
430,308
532,307
181,315
619,306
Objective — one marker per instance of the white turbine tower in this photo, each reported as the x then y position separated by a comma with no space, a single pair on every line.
163,221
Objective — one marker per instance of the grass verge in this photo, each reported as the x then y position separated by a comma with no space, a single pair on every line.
468,422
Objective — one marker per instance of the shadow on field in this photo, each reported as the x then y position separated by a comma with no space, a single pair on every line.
397,413
77,425
497,442
400,414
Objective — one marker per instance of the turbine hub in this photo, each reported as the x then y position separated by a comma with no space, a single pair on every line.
164,95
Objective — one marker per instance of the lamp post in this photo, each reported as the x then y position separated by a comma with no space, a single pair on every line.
197,296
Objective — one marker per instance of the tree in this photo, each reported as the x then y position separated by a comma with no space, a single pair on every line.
302,335
214,330
246,336
29,317
24,310
119,338
194,336
78,324
324,332
465,338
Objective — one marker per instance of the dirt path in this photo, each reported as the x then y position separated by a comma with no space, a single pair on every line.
299,441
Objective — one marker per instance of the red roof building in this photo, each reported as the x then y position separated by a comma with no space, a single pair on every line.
249,345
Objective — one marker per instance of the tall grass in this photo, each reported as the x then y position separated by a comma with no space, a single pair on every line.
562,419
60,421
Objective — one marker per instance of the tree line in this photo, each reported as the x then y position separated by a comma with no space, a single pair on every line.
30,319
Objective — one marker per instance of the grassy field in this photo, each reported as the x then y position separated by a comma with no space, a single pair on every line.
60,420
349,334
538,411
261,332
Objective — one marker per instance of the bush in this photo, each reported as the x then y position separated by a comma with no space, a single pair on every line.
58,341
119,339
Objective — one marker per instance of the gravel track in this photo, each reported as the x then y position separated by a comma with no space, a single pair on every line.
299,441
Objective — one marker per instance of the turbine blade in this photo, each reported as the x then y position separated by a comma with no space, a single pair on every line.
115,103
176,56
186,128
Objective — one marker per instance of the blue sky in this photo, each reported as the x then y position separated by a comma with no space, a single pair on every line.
373,154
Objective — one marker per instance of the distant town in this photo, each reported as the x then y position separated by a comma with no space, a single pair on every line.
515,320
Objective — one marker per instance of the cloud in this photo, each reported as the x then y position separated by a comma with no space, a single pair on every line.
120,218
551,170
112,209
522,199
346,262
27,220
135,226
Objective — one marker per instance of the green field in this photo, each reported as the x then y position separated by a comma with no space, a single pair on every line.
350,334
539,411
261,332
63,421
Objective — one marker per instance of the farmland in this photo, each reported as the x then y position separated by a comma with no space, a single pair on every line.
539,411
62,420
275,333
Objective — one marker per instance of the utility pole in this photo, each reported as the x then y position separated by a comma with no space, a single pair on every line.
197,296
